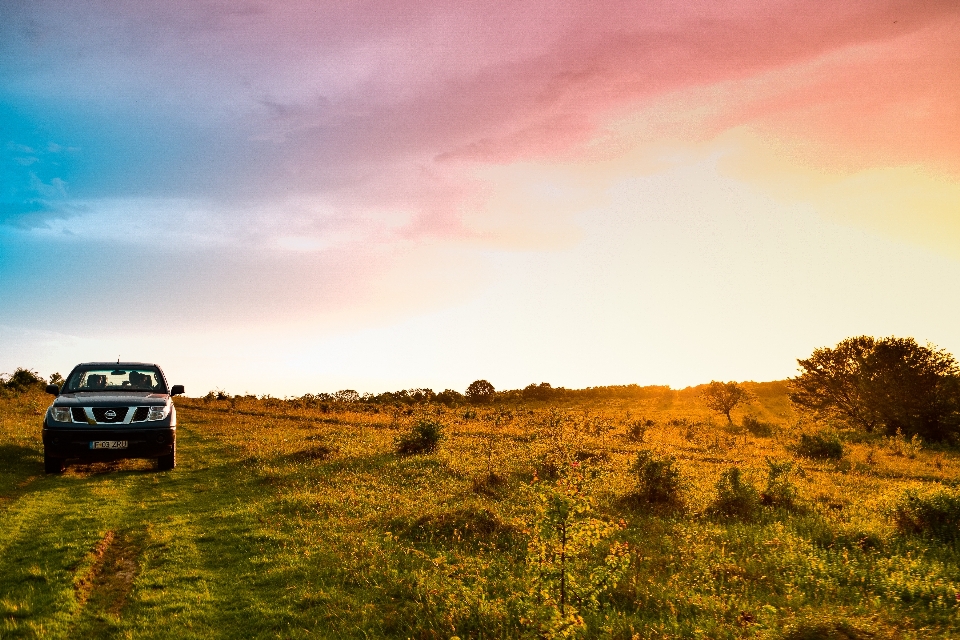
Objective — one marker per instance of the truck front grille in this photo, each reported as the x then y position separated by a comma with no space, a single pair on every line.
110,414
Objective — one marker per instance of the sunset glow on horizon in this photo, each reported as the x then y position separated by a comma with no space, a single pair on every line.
308,196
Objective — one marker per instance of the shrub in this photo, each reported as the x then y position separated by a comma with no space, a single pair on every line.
756,427
572,561
900,446
736,496
316,452
423,437
658,479
779,492
637,429
826,630
820,446
935,514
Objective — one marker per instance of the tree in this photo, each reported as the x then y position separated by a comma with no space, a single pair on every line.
450,397
480,392
21,380
542,391
724,397
346,395
886,384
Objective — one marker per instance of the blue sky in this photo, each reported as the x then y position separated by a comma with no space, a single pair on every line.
299,197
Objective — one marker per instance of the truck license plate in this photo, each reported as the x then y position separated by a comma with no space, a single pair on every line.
108,444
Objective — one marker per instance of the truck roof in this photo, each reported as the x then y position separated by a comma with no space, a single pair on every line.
116,364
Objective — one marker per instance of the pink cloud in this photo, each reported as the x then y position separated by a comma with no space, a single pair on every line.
386,106
559,99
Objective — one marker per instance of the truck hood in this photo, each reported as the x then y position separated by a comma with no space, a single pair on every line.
111,399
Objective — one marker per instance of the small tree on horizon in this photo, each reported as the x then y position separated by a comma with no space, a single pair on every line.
724,397
346,395
480,392
21,380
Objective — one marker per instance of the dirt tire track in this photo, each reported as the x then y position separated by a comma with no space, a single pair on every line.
102,589
83,584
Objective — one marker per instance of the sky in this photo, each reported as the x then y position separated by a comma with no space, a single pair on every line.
305,196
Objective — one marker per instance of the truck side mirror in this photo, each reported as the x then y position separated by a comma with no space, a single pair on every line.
53,389
177,390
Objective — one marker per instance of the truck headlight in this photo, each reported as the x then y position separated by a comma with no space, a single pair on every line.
158,413
61,414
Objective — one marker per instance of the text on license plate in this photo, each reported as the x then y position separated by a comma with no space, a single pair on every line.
108,444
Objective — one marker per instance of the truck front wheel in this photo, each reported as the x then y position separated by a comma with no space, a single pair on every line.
52,465
169,461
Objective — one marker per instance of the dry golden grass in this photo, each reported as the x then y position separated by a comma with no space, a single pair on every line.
298,518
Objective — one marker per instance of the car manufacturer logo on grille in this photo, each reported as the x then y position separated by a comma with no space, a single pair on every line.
111,414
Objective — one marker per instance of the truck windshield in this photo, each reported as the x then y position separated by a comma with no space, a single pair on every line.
115,379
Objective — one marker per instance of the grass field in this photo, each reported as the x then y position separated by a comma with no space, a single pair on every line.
293,519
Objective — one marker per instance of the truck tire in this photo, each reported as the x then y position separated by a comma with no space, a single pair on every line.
52,465
169,461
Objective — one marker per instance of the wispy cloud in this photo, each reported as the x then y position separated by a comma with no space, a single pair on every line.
346,164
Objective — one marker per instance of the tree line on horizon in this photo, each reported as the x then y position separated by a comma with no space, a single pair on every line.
888,385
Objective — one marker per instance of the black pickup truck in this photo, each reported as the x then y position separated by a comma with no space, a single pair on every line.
110,411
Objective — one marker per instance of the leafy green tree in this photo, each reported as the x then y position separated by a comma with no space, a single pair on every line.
724,397
480,392
573,563
886,384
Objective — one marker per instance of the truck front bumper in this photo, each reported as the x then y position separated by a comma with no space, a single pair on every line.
71,443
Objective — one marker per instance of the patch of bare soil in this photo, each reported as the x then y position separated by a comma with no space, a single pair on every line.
104,586
83,583
113,466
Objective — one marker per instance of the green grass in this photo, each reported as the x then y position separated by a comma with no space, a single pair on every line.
285,520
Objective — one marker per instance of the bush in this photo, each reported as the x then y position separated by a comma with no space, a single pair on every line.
637,429
658,479
935,514
736,497
900,446
826,630
423,437
820,446
779,492
756,427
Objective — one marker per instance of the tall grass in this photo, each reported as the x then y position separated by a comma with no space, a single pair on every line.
297,518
